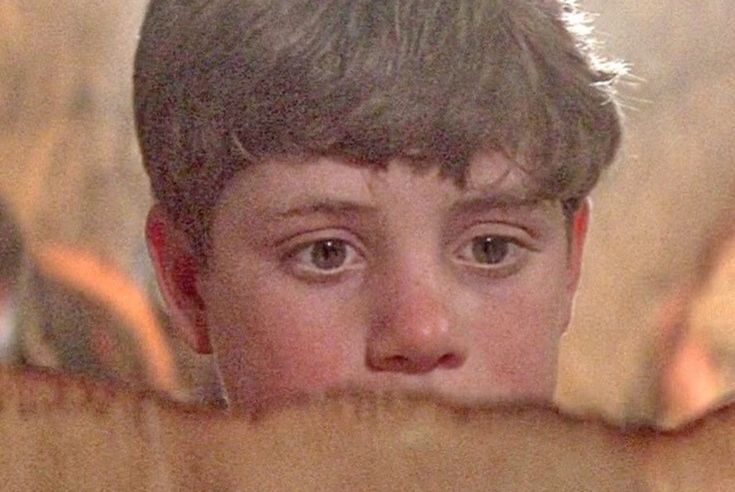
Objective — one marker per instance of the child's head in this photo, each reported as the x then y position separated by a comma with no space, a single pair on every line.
372,192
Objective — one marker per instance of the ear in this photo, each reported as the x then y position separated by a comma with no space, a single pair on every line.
577,235
178,273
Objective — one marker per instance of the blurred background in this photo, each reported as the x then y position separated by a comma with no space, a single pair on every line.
71,175
663,206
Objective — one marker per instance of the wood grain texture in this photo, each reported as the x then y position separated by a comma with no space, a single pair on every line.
72,171
71,434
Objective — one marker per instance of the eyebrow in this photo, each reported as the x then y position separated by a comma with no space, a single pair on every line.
327,206
493,201
465,206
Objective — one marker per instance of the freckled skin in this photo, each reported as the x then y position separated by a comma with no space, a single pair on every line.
411,307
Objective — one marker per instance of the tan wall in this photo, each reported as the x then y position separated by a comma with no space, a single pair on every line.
71,168
674,180
70,164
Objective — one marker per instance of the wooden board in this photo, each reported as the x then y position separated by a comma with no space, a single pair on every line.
70,434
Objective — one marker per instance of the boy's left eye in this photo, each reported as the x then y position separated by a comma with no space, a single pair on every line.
492,253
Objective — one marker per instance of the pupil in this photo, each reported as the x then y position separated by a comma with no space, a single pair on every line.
490,250
328,255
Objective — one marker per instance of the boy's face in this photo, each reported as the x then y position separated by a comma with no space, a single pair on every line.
324,275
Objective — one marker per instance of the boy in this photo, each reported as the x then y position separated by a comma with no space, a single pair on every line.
373,194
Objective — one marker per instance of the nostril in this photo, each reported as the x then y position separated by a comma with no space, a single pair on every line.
397,362
401,363
449,361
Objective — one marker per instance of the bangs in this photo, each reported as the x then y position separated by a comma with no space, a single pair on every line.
436,81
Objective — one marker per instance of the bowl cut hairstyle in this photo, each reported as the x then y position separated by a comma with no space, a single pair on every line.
223,84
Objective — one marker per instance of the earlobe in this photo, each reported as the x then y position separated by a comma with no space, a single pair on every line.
177,273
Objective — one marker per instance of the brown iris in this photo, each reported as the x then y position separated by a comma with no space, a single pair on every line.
329,254
490,250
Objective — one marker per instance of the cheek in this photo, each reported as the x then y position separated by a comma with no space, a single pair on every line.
273,341
518,333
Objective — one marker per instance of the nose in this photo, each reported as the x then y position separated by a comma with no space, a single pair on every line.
413,332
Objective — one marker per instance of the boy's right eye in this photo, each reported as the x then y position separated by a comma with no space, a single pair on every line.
325,257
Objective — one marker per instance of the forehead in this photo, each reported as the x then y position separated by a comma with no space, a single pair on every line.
283,192
488,174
